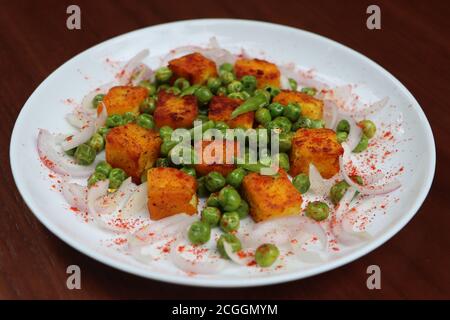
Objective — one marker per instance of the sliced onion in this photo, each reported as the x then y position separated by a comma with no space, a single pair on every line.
303,78
365,112
124,77
136,203
235,257
319,186
75,195
78,119
330,114
81,137
86,103
308,256
56,160
112,202
142,72
369,189
344,203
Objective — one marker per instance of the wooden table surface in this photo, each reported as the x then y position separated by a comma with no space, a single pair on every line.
413,45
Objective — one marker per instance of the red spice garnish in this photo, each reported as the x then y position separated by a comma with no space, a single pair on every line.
74,209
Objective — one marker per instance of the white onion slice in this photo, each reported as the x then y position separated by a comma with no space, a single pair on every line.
319,186
75,195
86,103
136,203
78,119
53,157
142,72
81,137
112,202
363,113
354,136
330,114
234,256
308,256
125,75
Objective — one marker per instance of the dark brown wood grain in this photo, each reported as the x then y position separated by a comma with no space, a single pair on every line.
413,45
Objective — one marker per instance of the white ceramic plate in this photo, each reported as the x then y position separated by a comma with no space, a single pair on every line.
46,109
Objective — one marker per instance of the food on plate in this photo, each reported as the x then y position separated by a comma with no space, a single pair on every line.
170,191
176,170
318,147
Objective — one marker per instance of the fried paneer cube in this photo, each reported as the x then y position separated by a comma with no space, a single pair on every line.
170,191
271,196
317,146
194,67
311,107
221,107
216,155
175,111
266,73
132,148
122,99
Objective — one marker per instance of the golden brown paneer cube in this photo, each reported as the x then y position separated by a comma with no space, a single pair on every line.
170,191
271,196
266,73
221,107
216,155
194,67
311,107
317,146
132,148
175,111
122,99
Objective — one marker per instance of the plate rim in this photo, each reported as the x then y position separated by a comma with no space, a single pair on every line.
227,283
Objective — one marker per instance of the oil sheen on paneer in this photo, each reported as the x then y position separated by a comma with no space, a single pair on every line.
216,156
175,111
221,107
311,107
317,146
194,67
132,148
266,73
271,196
122,99
170,191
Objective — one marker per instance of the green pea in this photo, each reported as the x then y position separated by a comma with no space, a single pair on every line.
149,86
272,90
282,123
162,87
97,99
146,121
201,187
163,74
182,84
226,67
114,120
229,198
263,116
234,86
276,109
166,146
285,141
266,255
96,177
190,90
369,128
337,191
213,84
103,131
199,232
301,123
116,177
222,91
85,154
97,142
173,90
214,181
189,170
162,162
341,136
283,161
70,152
211,216
235,177
309,91
213,200
301,183
226,77
317,124
230,221
249,83
343,126
293,84
362,145
165,132
222,126
243,209
317,210
232,240
203,95
292,112
128,117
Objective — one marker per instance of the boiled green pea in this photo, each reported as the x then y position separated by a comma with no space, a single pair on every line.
301,183
337,191
362,145
199,232
146,121
276,109
232,240
85,154
369,128
235,177
263,116
97,142
96,177
182,84
266,255
292,112
211,216
214,181
114,120
189,170
229,198
317,210
163,74
97,99
203,95
230,221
